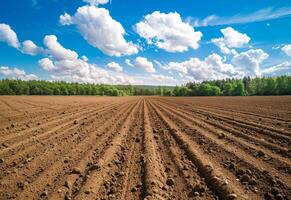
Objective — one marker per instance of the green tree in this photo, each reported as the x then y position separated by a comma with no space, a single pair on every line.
228,88
239,89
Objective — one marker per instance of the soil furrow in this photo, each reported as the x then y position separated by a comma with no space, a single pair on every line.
212,145
223,184
142,148
187,182
243,133
81,151
106,162
53,144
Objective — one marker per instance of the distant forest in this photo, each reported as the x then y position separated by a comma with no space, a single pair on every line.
229,87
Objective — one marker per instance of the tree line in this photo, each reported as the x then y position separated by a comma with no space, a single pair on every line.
280,85
247,86
36,87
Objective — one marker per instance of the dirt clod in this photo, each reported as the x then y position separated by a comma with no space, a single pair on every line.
20,185
134,189
76,170
170,182
221,136
260,153
68,184
44,193
245,178
137,140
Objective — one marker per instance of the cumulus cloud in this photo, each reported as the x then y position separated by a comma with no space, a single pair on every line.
57,50
287,49
178,66
65,64
96,75
28,47
100,30
215,67
9,36
212,67
16,73
47,64
277,70
143,63
115,67
65,19
249,61
168,32
231,39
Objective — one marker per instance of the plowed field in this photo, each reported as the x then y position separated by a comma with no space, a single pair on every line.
145,148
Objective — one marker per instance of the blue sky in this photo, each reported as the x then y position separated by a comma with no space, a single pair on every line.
144,42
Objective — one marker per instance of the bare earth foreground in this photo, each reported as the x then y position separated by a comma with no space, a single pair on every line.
145,148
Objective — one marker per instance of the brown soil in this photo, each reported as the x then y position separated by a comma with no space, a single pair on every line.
145,148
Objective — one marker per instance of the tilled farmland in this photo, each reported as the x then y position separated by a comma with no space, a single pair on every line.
145,148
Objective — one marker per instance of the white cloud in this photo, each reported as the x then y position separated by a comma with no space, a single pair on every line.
231,39
57,50
65,64
9,36
277,70
257,16
215,67
65,19
47,64
143,63
212,67
222,46
100,30
16,73
28,47
96,2
128,62
287,49
96,75
249,61
115,67
177,66
168,32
